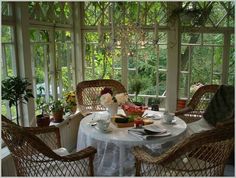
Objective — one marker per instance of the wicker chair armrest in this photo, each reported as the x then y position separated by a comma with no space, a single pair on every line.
85,153
142,155
183,111
226,123
41,130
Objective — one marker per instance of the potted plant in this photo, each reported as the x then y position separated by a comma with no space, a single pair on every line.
154,103
16,90
57,109
42,119
136,86
70,99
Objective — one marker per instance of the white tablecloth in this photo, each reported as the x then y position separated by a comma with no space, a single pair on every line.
114,155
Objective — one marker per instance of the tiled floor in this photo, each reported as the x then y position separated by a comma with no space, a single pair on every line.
229,170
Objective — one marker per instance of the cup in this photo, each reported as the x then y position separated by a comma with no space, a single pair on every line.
168,117
103,124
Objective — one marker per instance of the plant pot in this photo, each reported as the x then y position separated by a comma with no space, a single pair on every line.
155,107
43,120
57,116
181,103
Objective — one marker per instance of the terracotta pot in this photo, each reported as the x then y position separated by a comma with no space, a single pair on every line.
155,107
58,116
181,103
43,120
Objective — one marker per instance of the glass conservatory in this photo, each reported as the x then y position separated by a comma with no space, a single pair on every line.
167,67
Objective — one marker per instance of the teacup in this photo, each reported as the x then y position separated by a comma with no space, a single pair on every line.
103,124
168,117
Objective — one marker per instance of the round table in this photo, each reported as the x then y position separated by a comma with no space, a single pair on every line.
115,146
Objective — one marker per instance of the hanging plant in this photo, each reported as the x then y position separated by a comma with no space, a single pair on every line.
15,90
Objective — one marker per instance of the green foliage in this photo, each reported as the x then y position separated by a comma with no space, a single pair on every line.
136,85
41,102
153,101
15,89
56,106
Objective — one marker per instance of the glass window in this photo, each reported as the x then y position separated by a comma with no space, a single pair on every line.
6,9
40,66
53,12
102,59
231,78
200,63
64,49
8,64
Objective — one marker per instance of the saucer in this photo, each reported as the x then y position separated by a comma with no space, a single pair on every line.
104,131
172,122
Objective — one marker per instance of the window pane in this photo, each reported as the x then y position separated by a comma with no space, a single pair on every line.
53,12
8,65
216,39
101,57
6,9
191,38
200,63
64,61
231,78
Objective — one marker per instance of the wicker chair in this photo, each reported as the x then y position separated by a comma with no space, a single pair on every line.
88,93
198,104
49,135
32,157
202,154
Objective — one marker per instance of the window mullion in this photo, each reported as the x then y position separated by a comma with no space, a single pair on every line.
52,64
225,58
46,73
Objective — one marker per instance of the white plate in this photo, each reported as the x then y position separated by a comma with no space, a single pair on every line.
104,131
153,116
172,122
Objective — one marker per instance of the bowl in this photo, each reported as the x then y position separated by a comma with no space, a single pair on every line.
136,113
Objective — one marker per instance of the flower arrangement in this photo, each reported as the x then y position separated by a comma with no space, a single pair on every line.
107,98
70,100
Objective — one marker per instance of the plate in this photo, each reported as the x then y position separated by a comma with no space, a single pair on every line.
104,131
153,116
172,122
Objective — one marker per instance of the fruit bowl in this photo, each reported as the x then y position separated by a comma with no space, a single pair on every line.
132,109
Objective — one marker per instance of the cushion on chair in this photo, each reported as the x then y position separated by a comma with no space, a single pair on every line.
61,151
198,126
221,107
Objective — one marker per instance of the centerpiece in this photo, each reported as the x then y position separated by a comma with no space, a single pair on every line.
112,102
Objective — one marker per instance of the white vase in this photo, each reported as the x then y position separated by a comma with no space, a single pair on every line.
112,109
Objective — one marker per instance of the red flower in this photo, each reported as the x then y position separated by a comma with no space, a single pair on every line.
106,90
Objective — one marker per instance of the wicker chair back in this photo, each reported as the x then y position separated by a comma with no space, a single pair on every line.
88,93
198,104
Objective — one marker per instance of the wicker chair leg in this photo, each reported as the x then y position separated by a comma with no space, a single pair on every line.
91,158
138,167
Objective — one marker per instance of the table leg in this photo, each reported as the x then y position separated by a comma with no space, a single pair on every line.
121,160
